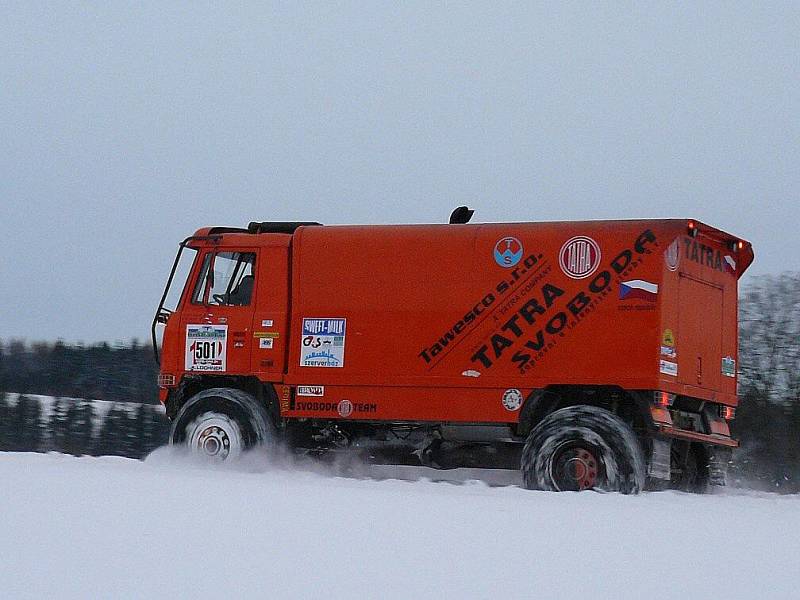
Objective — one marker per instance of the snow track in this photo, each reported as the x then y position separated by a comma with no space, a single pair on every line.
163,528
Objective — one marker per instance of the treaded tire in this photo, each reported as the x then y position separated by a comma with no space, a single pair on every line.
617,459
251,418
693,474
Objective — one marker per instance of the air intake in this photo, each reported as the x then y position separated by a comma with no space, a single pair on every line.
461,215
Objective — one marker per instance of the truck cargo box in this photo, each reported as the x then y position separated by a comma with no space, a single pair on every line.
427,309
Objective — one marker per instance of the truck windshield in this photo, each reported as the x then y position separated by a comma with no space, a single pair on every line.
181,268
182,271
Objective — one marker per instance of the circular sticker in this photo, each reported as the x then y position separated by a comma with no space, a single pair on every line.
512,399
672,255
344,408
579,257
507,252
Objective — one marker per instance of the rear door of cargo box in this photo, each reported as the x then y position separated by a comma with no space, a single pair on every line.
700,327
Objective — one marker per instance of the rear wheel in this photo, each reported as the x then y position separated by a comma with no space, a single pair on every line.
689,468
221,424
580,448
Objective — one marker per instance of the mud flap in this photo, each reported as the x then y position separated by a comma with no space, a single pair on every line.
659,465
718,460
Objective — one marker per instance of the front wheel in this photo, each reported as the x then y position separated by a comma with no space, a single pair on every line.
215,435
221,424
580,448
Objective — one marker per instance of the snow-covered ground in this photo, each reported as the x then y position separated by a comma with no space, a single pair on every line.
166,528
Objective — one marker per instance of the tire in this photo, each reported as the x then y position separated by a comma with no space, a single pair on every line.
221,424
690,470
583,447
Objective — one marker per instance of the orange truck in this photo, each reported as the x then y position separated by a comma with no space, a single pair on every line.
590,355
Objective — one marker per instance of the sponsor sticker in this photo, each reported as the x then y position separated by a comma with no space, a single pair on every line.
638,289
471,373
579,257
669,368
286,393
508,252
525,335
315,406
344,408
205,348
322,343
668,338
311,390
265,343
672,255
266,323
512,399
729,366
729,264
667,351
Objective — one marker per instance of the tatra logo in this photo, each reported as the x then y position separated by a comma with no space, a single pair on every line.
508,252
672,255
345,408
579,257
708,256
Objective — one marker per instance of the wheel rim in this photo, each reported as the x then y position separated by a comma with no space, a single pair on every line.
575,468
215,436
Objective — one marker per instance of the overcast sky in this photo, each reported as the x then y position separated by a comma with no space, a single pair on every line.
124,127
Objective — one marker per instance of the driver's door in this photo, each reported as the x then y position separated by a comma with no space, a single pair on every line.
217,320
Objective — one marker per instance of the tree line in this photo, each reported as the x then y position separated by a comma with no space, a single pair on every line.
768,418
80,427
123,373
767,421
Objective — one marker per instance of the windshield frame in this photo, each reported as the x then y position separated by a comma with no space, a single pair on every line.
162,314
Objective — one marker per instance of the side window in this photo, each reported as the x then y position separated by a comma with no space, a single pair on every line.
227,279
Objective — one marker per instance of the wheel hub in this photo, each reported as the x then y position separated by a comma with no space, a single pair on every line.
215,441
215,436
575,469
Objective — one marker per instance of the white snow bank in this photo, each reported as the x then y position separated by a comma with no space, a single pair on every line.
118,528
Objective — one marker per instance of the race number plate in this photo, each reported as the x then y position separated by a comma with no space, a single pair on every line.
206,347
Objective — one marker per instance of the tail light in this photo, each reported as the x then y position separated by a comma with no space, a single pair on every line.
663,399
166,380
659,411
692,229
727,412
736,245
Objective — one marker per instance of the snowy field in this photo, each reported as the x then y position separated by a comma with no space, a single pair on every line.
165,528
